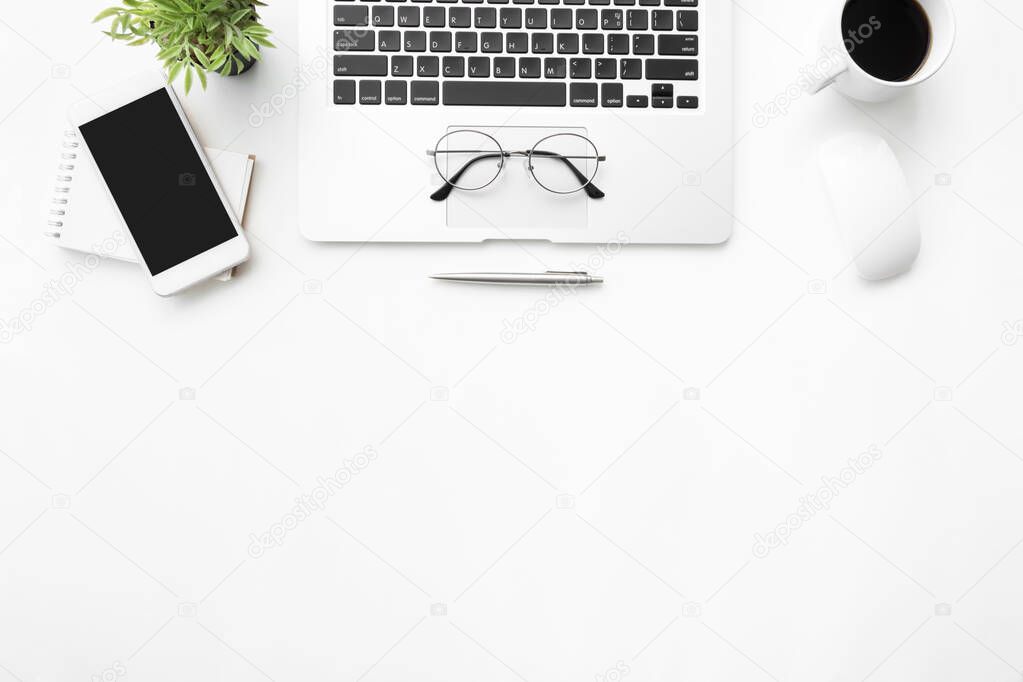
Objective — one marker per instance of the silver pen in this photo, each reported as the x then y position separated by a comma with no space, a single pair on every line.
549,278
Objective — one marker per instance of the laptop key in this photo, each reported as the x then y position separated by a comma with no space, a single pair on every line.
465,42
687,102
425,92
344,92
612,19
479,67
360,65
369,92
680,45
586,19
561,18
632,69
642,43
485,17
593,43
460,17
395,92
491,42
583,95
554,67
408,17
529,67
518,43
543,43
477,93
453,67
636,101
618,43
536,18
354,41
581,68
428,67
662,20
415,41
662,102
672,70
434,17
383,15
351,15
511,17
504,67
612,95
390,41
440,41
637,20
606,68
402,66
662,90
687,19
568,43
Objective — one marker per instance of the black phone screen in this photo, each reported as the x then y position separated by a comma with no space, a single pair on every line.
158,181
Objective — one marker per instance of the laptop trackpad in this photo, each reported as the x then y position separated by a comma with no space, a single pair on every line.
515,199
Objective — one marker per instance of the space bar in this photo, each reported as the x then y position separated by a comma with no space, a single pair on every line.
479,93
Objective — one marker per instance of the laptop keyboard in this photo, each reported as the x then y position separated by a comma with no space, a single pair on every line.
548,53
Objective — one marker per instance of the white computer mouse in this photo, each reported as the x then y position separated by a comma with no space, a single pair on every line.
872,205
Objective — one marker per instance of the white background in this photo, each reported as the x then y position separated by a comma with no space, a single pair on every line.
126,508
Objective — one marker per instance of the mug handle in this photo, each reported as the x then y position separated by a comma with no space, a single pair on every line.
819,82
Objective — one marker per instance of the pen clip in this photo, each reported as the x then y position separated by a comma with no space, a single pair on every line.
566,272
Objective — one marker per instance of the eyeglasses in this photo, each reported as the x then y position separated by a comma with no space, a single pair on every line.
564,163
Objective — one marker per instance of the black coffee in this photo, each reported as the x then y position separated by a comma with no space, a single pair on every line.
889,39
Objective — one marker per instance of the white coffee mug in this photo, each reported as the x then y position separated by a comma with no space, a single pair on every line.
838,68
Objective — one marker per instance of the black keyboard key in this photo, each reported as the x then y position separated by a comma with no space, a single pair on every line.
586,19
408,17
355,41
581,68
593,43
606,68
612,19
600,2
360,65
476,93
427,67
678,45
649,3
460,17
453,67
440,41
636,101
642,43
583,95
574,2
536,18
351,15
687,19
662,20
402,66
672,70
554,67
518,43
383,15
632,69
504,67
561,19
465,42
485,17
612,95
433,17
662,102
390,41
618,43
529,67
415,41
369,92
687,102
626,3
568,43
637,20
425,92
511,17
662,90
395,92
491,42
543,43
479,67
344,92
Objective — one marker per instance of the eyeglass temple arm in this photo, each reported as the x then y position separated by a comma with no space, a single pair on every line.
445,191
591,190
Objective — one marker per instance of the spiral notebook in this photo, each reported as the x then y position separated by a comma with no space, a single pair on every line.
82,217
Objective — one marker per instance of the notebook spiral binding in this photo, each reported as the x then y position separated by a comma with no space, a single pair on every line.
66,167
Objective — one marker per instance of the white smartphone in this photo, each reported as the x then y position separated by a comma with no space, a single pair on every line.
161,183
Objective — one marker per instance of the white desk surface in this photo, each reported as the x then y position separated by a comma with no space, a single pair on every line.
126,511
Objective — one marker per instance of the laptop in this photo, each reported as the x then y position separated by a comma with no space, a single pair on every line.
569,121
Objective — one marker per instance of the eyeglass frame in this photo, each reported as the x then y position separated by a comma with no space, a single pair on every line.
591,190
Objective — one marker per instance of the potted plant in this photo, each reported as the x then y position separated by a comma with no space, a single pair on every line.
194,36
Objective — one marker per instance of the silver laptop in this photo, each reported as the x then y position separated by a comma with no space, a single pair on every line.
575,121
